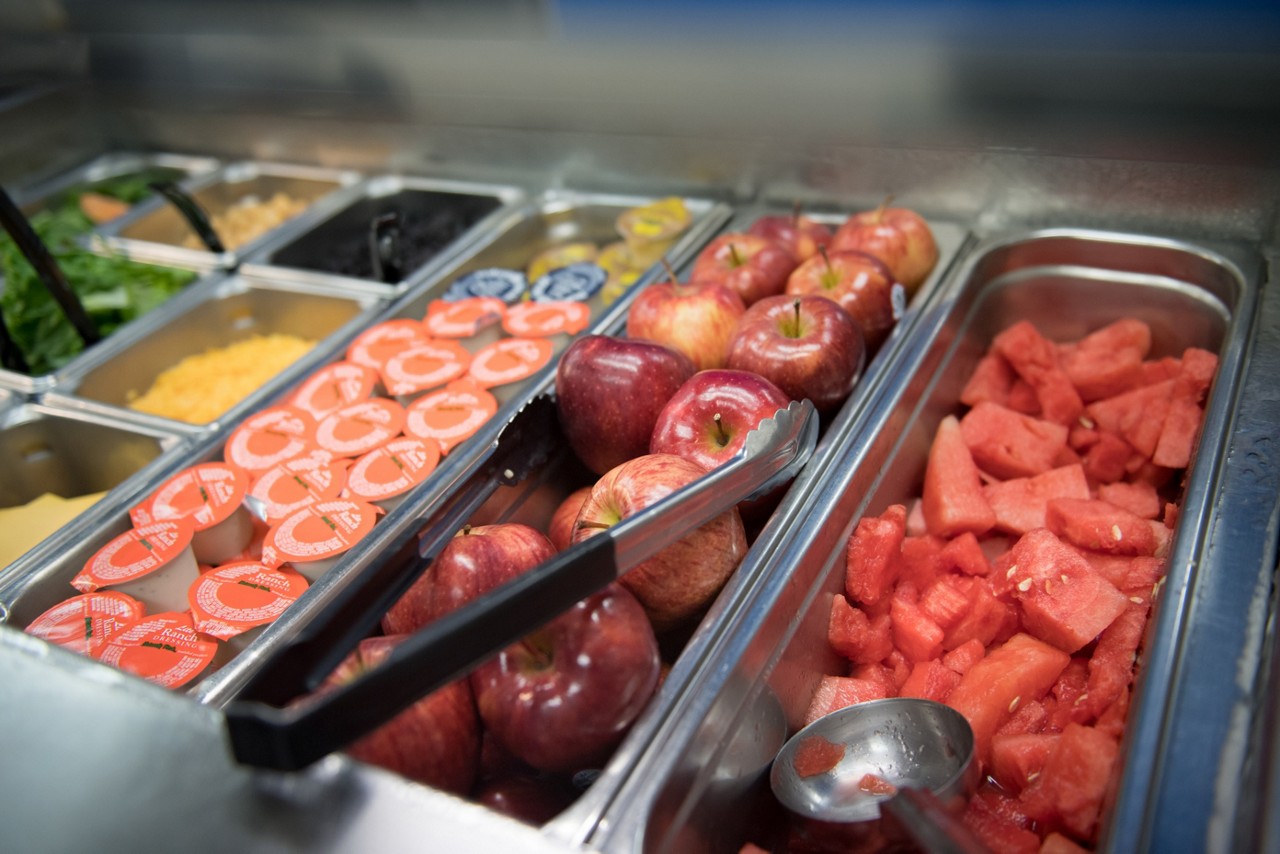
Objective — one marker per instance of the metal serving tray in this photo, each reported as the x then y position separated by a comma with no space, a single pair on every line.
701,784
230,309
312,255
33,586
155,231
112,165
47,449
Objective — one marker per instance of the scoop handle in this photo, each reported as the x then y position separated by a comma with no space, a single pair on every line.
192,213
928,823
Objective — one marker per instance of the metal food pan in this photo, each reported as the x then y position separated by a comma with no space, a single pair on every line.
155,231
702,783
46,449
33,583
112,165
337,250
232,309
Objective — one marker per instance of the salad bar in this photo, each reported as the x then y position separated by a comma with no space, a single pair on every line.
433,511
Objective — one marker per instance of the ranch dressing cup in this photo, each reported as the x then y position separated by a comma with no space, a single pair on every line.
269,438
211,495
152,563
382,341
574,283
333,387
316,537
477,319
510,360
384,476
236,601
451,415
84,623
358,428
163,648
285,489
556,320
423,366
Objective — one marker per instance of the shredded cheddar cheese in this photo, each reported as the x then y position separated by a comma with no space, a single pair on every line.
201,387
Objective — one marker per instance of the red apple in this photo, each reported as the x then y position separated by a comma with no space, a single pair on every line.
806,345
560,531
563,697
708,419
697,319
751,266
532,798
609,392
861,284
799,234
679,581
474,562
436,741
897,236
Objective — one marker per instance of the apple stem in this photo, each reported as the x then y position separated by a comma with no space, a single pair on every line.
722,437
826,259
670,270
796,306
600,526
733,253
888,200
795,213
466,529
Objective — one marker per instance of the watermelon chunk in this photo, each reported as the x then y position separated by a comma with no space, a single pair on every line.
1100,526
914,634
870,559
1107,459
1070,789
1028,717
1066,701
990,381
1022,398
837,692
1035,360
1019,670
993,818
1137,415
965,656
947,600
1158,370
855,636
1140,499
1020,503
1016,760
1056,843
1064,601
953,500
986,619
1109,361
1111,666
964,554
920,560
1008,444
930,680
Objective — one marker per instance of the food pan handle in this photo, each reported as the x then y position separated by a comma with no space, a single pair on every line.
447,648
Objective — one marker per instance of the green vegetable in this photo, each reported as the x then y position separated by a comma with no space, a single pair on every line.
114,290
130,189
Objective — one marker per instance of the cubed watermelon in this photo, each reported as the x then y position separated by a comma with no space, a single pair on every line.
878,674
997,825
1111,666
1022,398
1100,526
914,634
1112,721
964,554
1019,670
1108,361
953,500
872,555
920,560
837,692
1064,601
990,381
1056,843
986,620
1008,444
1178,434
930,680
1020,503
965,656
1107,459
1028,717
947,600
1137,415
1069,791
1140,499
855,636
1066,701
1158,370
1035,360
1018,759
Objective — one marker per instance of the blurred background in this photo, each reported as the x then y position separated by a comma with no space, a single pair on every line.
1111,113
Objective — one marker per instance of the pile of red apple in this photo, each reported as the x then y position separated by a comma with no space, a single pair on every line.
786,311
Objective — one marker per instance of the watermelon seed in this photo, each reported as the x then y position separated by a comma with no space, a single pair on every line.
1032,776
1064,578
1081,698
1137,600
1013,705
1116,533
1011,571
1087,422
1024,585
1048,586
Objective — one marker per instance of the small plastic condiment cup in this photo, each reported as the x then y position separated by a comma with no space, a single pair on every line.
334,386
574,283
464,318
284,489
316,537
162,648
507,285
510,360
270,437
358,428
211,495
84,623
236,601
152,563
385,476
451,415
423,367
547,319
383,340
560,256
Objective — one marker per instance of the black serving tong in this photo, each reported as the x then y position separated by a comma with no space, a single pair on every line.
191,212
386,248
49,273
291,738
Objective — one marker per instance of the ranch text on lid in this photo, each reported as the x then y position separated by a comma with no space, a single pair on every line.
451,415
358,428
334,386
393,469
84,623
544,319
464,318
236,597
206,494
321,530
382,341
163,648
269,438
135,553
423,366
510,360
